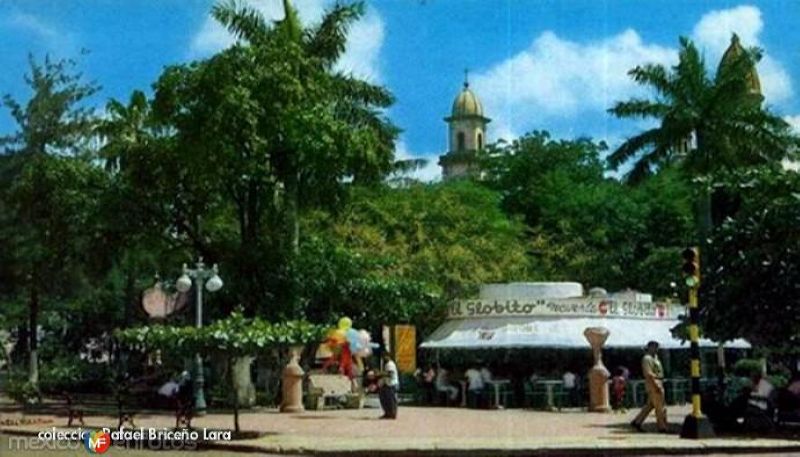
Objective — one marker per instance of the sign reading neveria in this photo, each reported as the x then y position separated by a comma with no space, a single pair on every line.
584,306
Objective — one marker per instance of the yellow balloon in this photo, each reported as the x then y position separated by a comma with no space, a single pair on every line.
345,323
338,336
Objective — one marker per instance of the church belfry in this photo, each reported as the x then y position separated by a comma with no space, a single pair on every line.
467,135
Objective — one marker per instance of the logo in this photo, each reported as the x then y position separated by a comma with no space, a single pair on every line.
97,442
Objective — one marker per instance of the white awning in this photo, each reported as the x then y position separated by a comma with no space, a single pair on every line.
558,332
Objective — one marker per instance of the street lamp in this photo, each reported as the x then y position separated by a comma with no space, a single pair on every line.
213,283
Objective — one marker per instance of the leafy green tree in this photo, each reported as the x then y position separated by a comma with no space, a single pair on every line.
257,134
50,188
451,236
752,284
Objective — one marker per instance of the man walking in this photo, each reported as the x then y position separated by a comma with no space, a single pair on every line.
389,384
654,384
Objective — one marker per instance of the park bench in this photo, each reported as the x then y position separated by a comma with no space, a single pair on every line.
77,405
322,387
126,403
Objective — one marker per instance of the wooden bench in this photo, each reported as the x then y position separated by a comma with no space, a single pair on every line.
126,406
322,387
77,405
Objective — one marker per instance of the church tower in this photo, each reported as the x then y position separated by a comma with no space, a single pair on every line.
466,135
731,58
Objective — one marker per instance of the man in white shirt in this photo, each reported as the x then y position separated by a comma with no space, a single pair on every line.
569,387
443,384
390,383
474,386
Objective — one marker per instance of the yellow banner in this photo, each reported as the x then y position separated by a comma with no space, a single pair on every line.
405,343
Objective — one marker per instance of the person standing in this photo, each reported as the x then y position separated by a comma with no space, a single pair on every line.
654,385
570,387
618,389
390,382
475,387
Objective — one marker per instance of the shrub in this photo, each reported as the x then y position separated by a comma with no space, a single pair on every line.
747,367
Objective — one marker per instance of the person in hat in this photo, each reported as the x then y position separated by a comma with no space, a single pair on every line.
654,385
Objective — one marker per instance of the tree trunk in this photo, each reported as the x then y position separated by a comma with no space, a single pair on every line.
235,396
291,212
33,334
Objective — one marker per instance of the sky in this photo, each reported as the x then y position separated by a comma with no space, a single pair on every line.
534,64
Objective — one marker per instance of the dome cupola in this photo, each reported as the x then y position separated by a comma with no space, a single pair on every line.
730,58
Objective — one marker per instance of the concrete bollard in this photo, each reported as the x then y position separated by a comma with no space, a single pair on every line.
598,374
292,383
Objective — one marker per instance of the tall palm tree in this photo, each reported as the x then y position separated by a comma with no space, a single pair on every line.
353,109
127,127
721,116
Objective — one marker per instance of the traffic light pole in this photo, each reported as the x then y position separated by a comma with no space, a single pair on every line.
695,425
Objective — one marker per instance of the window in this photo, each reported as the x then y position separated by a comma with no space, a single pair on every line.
460,141
480,141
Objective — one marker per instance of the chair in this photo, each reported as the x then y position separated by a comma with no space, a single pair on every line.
506,396
535,396
561,397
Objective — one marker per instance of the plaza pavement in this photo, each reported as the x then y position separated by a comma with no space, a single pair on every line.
442,431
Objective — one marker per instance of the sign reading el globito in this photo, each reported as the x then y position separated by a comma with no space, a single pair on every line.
584,306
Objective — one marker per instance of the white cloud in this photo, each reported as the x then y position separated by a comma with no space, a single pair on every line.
555,77
560,79
430,172
794,121
33,24
363,45
362,57
715,28
713,35
48,35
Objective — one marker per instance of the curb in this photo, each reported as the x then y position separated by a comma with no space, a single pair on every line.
545,451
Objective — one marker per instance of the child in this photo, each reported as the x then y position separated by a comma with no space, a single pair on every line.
618,389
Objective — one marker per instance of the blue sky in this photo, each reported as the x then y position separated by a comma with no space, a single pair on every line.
535,64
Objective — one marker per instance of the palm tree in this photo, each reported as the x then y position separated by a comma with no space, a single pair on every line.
127,127
351,109
722,116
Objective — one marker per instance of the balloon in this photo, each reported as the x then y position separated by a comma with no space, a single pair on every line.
337,336
345,323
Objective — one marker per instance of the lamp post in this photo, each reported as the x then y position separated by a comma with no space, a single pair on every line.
213,283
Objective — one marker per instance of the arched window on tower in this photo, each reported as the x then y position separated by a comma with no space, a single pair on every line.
480,141
460,141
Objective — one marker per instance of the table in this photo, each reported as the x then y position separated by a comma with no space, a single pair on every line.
496,383
548,385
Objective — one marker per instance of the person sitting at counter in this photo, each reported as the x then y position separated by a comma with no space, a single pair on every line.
443,384
486,375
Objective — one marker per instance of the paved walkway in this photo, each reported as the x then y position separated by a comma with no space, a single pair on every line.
444,431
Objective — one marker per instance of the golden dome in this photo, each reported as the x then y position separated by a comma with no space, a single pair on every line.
734,52
467,104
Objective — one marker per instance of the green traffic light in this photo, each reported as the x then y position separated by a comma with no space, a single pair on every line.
692,281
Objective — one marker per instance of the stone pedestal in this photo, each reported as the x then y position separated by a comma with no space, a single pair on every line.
245,389
598,374
293,383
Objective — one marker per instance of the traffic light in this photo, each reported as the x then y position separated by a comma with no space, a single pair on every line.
691,266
